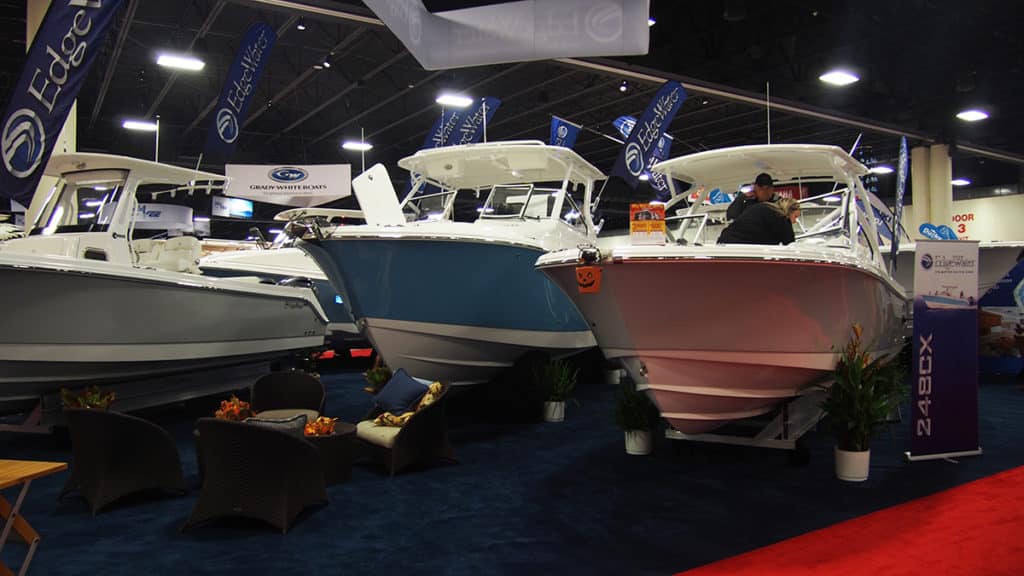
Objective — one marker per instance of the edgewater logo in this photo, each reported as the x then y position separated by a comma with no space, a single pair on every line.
926,261
227,125
563,131
24,141
634,159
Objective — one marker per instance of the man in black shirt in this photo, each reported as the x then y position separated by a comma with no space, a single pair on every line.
763,191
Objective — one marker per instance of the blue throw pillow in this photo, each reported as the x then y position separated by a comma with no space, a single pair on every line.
401,393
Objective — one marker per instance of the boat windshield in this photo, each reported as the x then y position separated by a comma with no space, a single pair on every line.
520,201
81,202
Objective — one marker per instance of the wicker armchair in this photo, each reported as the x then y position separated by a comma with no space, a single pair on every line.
285,393
422,440
255,472
115,454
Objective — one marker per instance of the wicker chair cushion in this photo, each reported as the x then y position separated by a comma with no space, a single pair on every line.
383,436
294,426
286,413
400,394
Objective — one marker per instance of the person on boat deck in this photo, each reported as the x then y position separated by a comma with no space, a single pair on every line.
763,223
762,191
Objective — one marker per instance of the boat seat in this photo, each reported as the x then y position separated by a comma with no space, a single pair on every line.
179,254
147,251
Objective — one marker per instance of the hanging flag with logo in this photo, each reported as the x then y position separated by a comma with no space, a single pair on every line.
563,132
901,186
472,128
443,128
64,48
239,89
651,126
625,124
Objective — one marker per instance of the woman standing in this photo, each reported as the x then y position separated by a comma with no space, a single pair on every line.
763,223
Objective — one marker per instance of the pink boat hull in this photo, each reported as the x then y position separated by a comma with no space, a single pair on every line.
717,339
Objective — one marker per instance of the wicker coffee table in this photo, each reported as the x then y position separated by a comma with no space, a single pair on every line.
336,452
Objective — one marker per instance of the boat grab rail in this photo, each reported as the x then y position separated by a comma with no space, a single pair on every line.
684,225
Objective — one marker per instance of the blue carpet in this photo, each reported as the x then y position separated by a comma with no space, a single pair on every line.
524,499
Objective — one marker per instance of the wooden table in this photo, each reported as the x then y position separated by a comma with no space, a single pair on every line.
12,473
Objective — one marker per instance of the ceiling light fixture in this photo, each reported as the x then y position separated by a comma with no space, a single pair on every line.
883,169
139,125
201,219
94,203
643,177
301,25
624,86
972,115
651,22
839,77
960,182
326,64
180,62
356,145
454,100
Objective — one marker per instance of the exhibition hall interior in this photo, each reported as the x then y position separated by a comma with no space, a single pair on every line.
511,287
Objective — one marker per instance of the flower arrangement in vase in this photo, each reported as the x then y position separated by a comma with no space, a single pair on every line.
91,397
233,409
322,426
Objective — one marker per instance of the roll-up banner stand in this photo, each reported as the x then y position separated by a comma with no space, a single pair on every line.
944,392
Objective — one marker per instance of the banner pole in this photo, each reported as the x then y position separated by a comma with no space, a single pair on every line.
156,152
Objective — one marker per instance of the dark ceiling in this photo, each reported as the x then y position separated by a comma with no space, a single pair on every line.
919,61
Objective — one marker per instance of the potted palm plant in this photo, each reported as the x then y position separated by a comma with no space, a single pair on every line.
558,378
637,416
865,392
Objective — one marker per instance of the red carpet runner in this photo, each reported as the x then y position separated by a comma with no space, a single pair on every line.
975,529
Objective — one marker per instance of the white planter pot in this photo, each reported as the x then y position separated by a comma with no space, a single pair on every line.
639,442
852,466
613,377
554,411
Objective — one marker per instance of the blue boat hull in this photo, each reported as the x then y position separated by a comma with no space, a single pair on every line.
451,309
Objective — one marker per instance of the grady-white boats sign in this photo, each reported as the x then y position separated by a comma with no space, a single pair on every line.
302,186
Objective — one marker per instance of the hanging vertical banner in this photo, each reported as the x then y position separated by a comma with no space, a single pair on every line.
944,390
64,48
443,128
658,180
563,132
644,137
624,124
901,186
239,89
472,128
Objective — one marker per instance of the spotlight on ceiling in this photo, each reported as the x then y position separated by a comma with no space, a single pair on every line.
883,169
972,115
326,63
651,22
643,177
201,219
301,25
356,145
180,62
139,125
838,77
960,182
624,86
454,100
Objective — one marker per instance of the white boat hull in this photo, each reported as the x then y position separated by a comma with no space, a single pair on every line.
72,324
662,317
